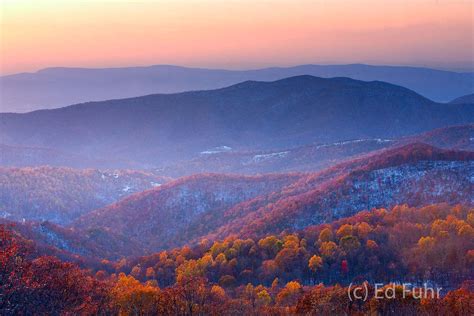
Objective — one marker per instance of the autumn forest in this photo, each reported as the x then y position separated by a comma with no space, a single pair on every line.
208,158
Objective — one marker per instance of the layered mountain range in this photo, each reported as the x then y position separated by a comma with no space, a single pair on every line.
55,87
160,130
249,160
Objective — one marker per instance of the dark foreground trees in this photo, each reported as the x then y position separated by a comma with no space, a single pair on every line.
44,285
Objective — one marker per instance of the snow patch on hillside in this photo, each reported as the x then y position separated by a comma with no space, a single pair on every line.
425,182
354,141
263,157
127,188
216,150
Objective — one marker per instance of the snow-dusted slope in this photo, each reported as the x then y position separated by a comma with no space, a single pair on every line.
60,195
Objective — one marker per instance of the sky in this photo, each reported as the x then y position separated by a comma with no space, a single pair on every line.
234,34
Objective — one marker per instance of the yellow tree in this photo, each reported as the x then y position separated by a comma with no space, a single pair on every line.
289,294
328,249
325,235
345,230
130,297
263,298
315,264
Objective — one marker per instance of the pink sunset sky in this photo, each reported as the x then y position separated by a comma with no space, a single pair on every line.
234,34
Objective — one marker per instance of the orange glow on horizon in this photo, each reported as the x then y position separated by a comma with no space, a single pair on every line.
233,34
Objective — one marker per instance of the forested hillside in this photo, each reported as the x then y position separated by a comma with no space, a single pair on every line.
214,206
62,194
277,274
164,217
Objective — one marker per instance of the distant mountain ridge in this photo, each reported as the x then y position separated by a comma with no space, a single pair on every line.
157,129
56,87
